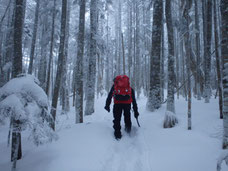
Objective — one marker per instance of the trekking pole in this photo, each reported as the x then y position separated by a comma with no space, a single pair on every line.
137,121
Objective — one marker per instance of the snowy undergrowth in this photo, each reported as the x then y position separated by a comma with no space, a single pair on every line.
223,157
23,100
91,146
170,120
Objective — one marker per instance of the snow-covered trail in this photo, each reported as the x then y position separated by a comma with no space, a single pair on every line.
128,154
91,146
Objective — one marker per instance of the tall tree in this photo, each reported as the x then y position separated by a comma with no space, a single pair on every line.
224,44
42,67
108,59
198,92
171,74
51,48
154,97
207,55
8,42
129,38
187,44
60,63
218,62
16,152
170,119
34,35
162,59
92,59
137,52
64,82
79,65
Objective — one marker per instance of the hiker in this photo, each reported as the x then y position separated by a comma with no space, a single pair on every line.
123,96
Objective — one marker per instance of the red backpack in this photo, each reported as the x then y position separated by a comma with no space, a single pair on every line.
122,90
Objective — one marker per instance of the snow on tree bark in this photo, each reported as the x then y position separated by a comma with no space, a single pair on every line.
89,108
224,48
171,74
170,118
60,63
154,97
79,65
187,44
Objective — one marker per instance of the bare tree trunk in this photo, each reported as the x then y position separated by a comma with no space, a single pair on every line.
171,74
176,39
218,60
188,51
162,71
124,72
4,14
64,85
16,153
107,63
154,98
183,72
130,40
198,91
60,63
42,68
170,118
51,49
137,57
116,47
204,19
208,52
8,46
33,45
79,65
16,150
224,48
119,65
92,59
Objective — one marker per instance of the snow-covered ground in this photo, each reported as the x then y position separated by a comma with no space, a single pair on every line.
91,146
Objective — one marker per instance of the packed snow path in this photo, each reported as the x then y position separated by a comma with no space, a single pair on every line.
128,154
91,146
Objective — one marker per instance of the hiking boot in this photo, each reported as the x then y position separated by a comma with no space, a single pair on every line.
117,135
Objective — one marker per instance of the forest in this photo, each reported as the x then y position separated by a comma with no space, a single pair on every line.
59,60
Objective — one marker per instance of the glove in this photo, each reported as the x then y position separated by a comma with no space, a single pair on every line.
107,108
136,113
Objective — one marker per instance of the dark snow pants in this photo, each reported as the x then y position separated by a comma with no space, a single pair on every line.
117,113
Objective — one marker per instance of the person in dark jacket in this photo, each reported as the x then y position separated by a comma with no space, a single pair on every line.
119,107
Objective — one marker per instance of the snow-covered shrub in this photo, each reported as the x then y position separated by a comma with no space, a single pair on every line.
170,120
223,156
24,100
